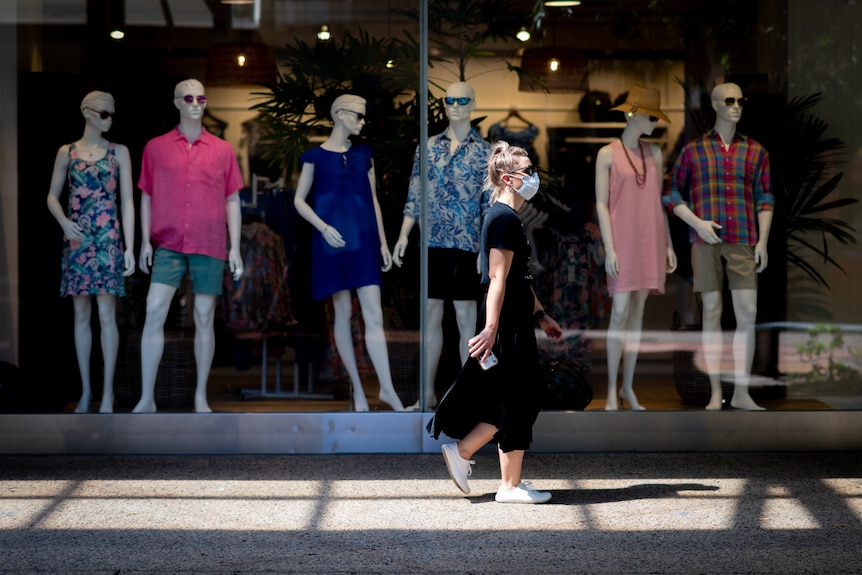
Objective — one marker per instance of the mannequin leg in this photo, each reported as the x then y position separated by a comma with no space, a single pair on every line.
342,305
375,341
110,346
620,307
712,345
83,348
204,315
434,345
631,346
745,311
465,315
153,343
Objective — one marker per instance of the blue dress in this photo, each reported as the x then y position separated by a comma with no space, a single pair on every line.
341,195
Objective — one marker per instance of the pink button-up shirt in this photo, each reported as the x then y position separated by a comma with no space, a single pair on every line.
188,186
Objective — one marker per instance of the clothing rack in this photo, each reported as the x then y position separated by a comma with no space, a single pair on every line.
262,185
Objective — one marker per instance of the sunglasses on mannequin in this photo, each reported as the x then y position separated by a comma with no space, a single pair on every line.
104,114
189,99
731,101
359,116
461,101
529,170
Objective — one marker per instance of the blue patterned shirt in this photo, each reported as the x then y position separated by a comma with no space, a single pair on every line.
456,200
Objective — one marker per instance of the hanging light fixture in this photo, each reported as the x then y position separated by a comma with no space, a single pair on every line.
116,14
562,3
523,34
323,34
240,64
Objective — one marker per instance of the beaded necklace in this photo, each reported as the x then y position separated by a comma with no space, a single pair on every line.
639,178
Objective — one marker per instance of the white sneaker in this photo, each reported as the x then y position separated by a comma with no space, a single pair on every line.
522,493
459,468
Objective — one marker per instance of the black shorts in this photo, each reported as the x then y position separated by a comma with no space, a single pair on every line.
453,274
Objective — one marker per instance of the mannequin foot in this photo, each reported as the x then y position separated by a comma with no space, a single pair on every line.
744,401
359,401
611,403
84,403
145,406
201,405
629,397
392,399
715,402
107,405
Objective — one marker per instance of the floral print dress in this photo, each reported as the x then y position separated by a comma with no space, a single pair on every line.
95,265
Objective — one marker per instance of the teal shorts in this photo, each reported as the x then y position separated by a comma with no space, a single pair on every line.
169,268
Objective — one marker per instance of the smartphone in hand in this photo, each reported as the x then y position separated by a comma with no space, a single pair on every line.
489,362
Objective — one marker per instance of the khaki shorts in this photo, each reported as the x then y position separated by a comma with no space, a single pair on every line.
710,262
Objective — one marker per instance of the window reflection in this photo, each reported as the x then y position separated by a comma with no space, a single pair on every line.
806,339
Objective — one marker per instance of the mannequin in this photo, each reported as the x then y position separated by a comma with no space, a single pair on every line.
635,233
94,259
456,203
348,252
729,236
191,182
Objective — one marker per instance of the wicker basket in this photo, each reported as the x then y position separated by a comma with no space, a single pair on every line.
175,383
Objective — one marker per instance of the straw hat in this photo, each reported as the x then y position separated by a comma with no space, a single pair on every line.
646,101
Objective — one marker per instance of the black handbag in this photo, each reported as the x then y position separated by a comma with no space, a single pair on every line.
564,386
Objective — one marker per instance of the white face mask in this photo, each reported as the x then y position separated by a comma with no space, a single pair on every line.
529,187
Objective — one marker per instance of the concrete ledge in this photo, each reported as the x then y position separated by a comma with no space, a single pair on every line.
323,433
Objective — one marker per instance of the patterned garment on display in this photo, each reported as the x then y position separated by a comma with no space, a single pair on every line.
260,300
94,265
456,200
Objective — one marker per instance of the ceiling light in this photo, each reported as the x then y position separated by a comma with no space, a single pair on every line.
523,34
117,34
324,33
240,64
562,3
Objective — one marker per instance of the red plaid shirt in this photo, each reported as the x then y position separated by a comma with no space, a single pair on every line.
728,186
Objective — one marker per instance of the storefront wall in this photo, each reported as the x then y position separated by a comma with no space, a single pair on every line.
821,45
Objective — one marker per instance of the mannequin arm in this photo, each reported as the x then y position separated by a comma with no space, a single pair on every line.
303,188
127,207
671,254
403,240
764,222
145,260
378,214
234,229
61,166
707,230
603,171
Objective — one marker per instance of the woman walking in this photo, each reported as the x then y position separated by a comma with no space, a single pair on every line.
500,402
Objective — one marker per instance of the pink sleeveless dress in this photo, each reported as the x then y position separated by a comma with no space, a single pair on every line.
637,222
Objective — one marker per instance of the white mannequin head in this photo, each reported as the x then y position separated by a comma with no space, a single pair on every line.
723,93
193,90
95,105
348,110
455,111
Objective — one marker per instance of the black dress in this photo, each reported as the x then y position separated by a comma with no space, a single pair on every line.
507,396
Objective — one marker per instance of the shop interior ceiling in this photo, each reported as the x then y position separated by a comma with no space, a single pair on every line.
599,25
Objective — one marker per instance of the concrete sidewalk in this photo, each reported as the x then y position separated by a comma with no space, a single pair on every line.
716,513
